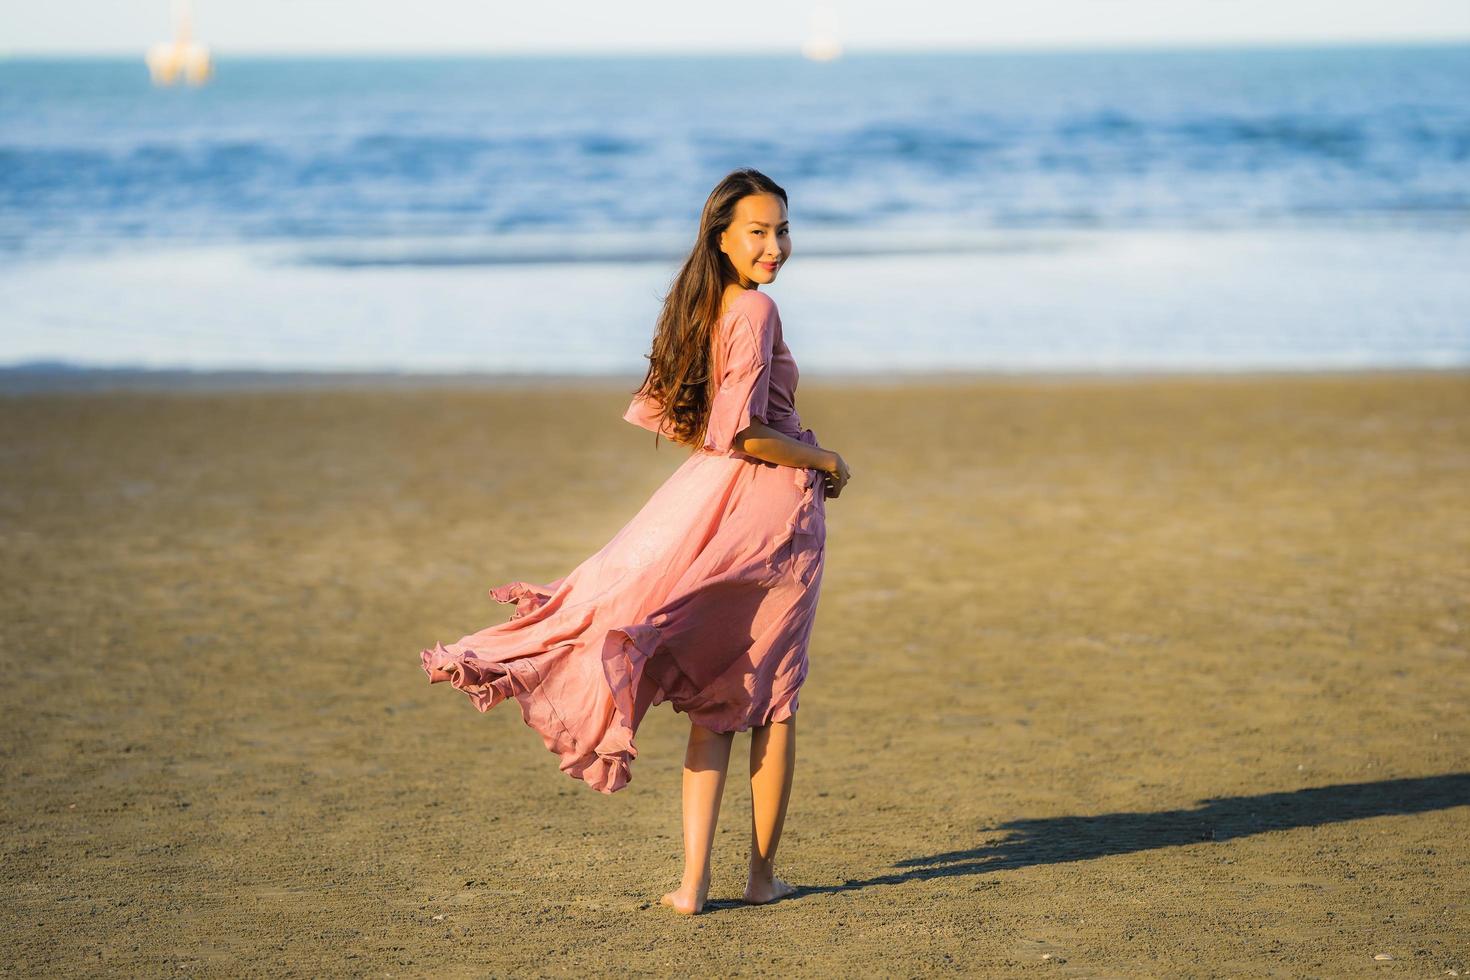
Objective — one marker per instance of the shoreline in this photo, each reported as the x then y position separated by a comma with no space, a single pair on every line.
1113,303
20,381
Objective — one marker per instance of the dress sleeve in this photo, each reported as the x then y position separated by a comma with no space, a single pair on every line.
645,412
743,366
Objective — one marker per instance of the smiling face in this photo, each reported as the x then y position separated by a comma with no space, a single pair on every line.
758,240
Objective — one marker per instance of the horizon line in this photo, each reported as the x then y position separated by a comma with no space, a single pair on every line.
1023,47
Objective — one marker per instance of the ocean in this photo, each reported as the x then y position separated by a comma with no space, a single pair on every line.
1217,210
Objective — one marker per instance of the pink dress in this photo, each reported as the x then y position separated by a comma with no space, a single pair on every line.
705,599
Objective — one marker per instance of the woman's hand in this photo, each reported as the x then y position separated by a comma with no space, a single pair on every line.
760,441
837,476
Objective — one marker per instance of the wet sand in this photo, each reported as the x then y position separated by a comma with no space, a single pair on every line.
1111,677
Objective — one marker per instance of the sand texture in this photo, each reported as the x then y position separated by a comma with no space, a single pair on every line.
1111,677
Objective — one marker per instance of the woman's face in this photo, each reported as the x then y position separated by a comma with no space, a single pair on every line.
758,240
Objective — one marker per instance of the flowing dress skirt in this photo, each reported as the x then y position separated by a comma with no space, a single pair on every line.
705,599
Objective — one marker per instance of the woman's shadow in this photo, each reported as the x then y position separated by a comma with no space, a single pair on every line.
1053,840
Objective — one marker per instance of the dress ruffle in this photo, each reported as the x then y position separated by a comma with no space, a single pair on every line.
624,654
527,598
487,683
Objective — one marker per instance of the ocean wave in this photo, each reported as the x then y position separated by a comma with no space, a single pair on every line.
300,150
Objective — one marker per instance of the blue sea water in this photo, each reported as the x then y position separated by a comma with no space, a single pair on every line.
1119,209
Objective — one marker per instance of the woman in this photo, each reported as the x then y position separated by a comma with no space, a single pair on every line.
707,597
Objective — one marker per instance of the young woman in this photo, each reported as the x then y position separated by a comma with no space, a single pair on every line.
707,597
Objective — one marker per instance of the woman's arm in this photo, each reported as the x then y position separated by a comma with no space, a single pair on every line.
763,442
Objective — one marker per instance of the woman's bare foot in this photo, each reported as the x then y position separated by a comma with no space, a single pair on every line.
686,899
762,889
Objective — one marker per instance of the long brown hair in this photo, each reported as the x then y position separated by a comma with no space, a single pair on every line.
680,363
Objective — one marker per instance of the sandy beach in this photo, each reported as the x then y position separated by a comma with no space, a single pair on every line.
1111,677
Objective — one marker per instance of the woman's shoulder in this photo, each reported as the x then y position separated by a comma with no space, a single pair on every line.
756,307
754,303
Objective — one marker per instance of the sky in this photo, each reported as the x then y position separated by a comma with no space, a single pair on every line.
639,26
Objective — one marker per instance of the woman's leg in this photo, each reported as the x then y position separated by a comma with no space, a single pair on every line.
772,760
705,762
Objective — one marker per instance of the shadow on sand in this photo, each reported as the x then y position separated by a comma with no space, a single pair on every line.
1054,840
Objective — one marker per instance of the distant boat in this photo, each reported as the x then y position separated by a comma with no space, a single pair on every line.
823,44
183,56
